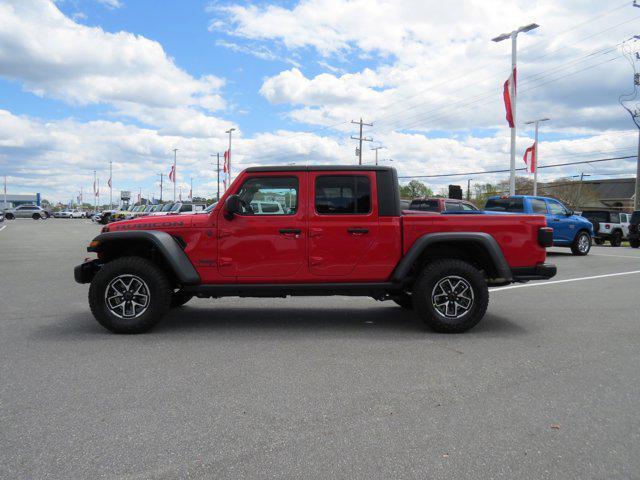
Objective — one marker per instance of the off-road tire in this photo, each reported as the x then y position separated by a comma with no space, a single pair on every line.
616,238
598,241
178,299
159,294
576,246
426,287
9,216
404,300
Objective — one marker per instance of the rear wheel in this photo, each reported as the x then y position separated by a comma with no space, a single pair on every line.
129,295
451,296
36,216
581,244
616,238
9,216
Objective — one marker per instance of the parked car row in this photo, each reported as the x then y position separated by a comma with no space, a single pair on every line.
571,230
128,213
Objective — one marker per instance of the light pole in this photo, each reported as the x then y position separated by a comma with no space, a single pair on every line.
175,172
110,184
469,189
512,94
161,175
376,150
535,152
217,155
229,154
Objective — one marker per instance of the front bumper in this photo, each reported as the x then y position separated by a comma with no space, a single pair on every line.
543,271
85,272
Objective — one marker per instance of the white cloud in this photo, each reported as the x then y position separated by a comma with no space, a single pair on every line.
53,56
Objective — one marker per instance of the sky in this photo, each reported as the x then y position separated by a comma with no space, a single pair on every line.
88,82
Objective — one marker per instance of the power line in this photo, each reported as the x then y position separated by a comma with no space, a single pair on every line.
553,165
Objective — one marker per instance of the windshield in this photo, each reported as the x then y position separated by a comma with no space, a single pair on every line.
505,205
210,207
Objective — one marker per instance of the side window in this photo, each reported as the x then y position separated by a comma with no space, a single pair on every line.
467,208
538,206
556,209
185,208
269,196
615,217
343,195
452,206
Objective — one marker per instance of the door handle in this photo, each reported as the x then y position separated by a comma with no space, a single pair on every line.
357,231
290,231
556,219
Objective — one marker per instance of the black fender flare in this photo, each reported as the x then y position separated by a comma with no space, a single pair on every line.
165,244
421,244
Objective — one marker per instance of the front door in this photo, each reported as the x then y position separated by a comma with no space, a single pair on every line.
343,221
563,226
267,240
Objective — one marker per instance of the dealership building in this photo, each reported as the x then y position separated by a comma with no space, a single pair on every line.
15,200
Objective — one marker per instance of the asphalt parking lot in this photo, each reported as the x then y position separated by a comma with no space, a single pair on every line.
547,386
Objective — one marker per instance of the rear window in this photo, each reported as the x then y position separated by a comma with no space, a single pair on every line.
424,205
635,218
343,195
599,216
505,205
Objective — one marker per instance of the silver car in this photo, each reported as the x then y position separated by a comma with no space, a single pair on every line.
25,211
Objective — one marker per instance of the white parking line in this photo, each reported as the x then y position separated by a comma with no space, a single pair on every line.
3,227
542,284
619,256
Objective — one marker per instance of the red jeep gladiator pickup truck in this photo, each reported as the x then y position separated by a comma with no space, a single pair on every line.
330,230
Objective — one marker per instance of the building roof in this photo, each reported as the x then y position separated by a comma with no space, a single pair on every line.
613,188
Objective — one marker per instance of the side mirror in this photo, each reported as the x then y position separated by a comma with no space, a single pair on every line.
232,206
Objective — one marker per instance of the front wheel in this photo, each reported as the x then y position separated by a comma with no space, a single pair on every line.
581,244
451,296
9,216
36,216
129,295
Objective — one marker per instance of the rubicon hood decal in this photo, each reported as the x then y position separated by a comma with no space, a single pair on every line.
145,225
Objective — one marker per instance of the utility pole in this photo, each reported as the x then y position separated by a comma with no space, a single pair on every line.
376,150
218,173
469,189
535,152
175,172
191,188
512,94
361,139
161,175
95,193
229,154
5,192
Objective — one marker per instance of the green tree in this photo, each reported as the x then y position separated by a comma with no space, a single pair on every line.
415,189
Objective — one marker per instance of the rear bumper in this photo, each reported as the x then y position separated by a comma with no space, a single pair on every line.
85,272
544,271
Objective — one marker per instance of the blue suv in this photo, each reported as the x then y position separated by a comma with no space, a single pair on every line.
569,230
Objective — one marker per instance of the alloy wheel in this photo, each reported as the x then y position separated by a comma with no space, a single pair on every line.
452,297
127,296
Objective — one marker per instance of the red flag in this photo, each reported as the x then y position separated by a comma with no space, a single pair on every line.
190,194
172,174
509,87
225,167
531,158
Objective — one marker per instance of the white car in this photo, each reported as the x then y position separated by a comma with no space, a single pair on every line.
266,208
625,219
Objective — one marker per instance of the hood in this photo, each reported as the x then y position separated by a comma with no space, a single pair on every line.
151,223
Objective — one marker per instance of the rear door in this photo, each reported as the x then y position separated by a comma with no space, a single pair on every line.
343,221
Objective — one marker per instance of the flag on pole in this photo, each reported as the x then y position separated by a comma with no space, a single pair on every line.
225,168
508,91
95,194
531,158
172,174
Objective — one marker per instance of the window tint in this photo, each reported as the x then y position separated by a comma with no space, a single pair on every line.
556,209
505,205
452,206
539,206
424,205
269,196
344,194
